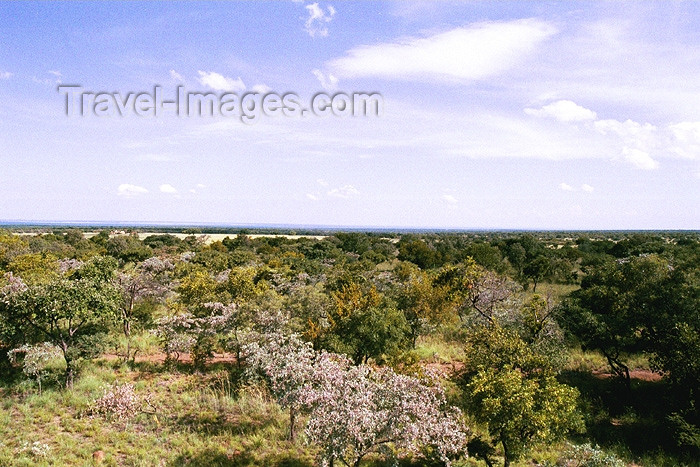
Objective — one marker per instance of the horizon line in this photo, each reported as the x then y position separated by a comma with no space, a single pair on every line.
317,227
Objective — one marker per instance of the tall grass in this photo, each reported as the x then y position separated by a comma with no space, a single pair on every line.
192,418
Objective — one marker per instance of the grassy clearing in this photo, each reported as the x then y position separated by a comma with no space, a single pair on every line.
555,291
595,362
200,419
433,349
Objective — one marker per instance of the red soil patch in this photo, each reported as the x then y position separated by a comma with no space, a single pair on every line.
444,367
160,358
441,367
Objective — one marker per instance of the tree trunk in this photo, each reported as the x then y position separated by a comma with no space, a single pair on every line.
292,420
506,455
128,351
70,373
238,349
127,313
70,370
620,369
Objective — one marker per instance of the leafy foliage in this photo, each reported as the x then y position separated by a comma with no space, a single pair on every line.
512,389
69,311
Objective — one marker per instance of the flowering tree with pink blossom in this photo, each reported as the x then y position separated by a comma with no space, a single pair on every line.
287,364
360,409
356,410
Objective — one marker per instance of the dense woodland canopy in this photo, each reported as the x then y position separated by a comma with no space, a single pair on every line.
459,348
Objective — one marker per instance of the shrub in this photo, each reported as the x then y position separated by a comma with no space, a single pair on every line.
118,401
37,359
585,455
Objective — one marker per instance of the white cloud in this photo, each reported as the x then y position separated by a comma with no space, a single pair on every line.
639,158
463,54
329,83
316,23
312,196
126,189
261,88
564,111
175,76
167,188
220,82
637,141
587,188
626,129
322,182
565,187
5,75
449,199
198,186
49,81
343,192
686,139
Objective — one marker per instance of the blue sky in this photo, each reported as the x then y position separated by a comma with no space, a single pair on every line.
535,115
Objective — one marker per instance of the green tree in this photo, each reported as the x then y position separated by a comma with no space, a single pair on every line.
513,390
648,304
149,280
34,267
244,284
537,269
198,287
423,305
419,253
11,246
128,249
353,242
486,255
71,311
362,324
618,308
476,291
